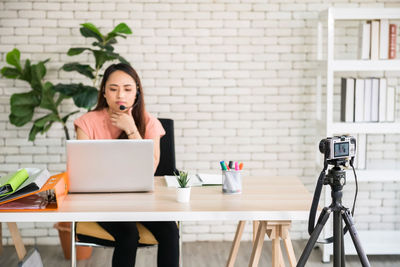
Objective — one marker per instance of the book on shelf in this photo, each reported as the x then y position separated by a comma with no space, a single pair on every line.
359,101
375,100
347,100
384,39
375,39
365,40
382,99
38,192
392,41
367,99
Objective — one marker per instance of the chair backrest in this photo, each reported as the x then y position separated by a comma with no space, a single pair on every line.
167,164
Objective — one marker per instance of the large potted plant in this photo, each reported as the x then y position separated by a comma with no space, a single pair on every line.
47,97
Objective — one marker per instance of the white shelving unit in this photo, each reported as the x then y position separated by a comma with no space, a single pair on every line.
374,242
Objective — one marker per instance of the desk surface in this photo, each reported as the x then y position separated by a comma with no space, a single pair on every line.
263,198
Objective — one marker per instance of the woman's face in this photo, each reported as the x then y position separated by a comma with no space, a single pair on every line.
120,90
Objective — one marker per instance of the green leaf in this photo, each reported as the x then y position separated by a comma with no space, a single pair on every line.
41,122
82,69
76,51
10,73
20,121
23,104
42,125
86,98
48,98
89,30
13,58
83,96
37,75
102,57
122,28
26,74
67,89
65,118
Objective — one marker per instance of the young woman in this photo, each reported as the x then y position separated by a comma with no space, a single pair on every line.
121,87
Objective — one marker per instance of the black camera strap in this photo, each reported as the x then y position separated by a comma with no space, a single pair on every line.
317,195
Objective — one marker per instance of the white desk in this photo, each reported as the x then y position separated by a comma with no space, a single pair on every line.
274,200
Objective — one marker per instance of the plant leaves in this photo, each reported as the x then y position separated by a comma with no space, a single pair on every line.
85,70
76,51
122,28
48,98
37,75
102,57
86,98
26,73
10,73
13,58
83,96
89,30
123,60
67,89
20,121
23,104
42,125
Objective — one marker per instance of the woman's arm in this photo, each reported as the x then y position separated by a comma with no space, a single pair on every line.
156,152
80,134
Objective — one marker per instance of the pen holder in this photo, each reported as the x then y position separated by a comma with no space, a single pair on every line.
231,182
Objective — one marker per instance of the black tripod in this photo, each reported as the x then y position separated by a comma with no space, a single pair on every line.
336,179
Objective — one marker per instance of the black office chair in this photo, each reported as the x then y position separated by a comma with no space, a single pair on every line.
92,234
167,164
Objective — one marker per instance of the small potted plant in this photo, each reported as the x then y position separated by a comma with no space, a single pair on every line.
183,191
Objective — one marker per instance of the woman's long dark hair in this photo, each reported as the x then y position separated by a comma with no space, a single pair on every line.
138,106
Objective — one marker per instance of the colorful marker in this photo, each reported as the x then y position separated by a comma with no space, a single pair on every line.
241,165
236,166
223,166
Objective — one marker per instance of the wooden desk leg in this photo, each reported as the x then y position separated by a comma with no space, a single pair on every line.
19,245
276,248
255,228
236,244
257,248
288,244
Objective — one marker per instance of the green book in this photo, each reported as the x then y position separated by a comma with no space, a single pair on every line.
11,182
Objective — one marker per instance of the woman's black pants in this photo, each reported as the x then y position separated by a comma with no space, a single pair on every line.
126,237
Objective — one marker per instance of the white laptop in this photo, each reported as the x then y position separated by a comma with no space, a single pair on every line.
96,166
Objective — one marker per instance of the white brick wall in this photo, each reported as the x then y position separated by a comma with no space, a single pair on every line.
237,78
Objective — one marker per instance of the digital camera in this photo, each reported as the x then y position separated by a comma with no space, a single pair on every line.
338,147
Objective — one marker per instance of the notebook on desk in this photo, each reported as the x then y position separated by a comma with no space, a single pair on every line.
96,166
199,179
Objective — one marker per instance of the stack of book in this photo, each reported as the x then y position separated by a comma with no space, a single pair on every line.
367,100
378,40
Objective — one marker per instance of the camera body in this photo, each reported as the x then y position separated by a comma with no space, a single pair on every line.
338,147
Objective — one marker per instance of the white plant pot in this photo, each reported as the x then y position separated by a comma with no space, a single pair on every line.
183,194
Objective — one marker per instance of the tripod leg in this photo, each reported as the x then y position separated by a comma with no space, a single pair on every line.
314,236
337,238
342,245
354,236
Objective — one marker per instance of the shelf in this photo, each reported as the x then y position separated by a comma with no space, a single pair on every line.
364,128
373,243
366,65
361,13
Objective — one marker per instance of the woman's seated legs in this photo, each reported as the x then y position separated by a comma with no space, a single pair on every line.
167,235
126,241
